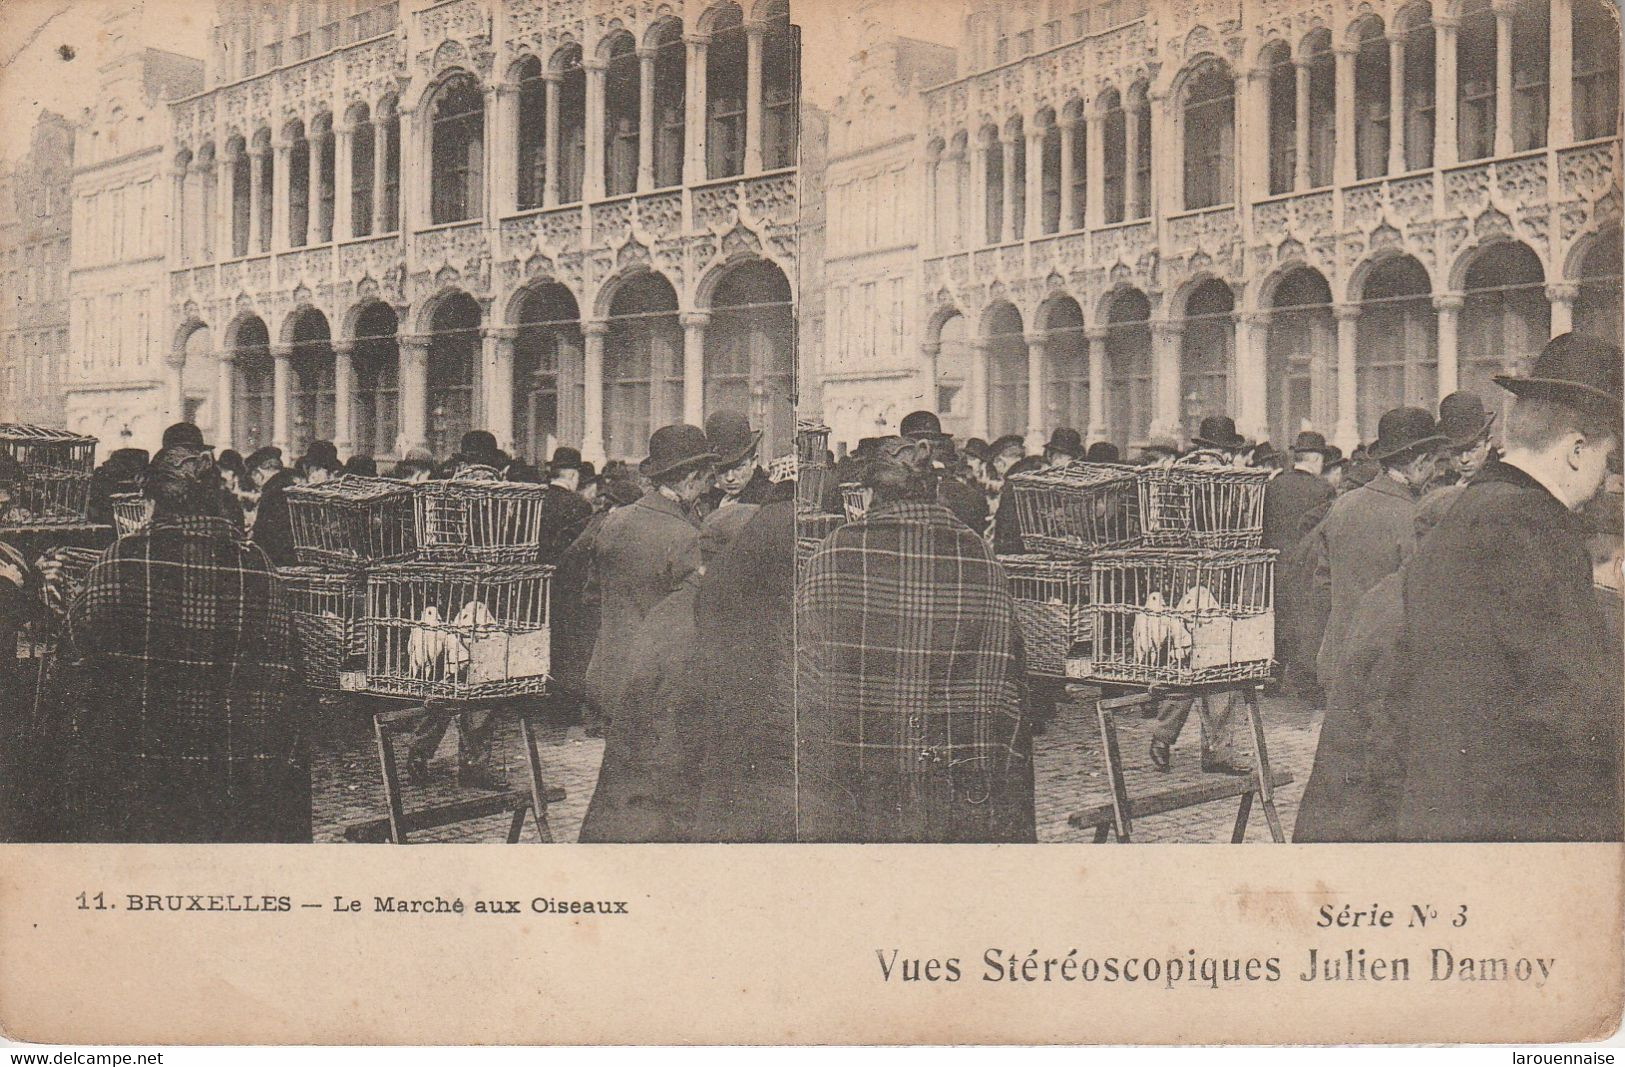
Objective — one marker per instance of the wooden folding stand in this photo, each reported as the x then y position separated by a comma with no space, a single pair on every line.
1118,815
388,723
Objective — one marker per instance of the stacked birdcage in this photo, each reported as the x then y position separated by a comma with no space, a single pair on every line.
1052,609
131,511
54,489
813,472
1201,505
478,522
458,630
352,521
1078,509
329,609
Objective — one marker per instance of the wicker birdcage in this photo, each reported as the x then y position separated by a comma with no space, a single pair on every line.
329,613
1052,608
818,524
1201,506
478,522
131,511
855,498
76,565
350,521
458,630
805,547
1078,509
812,443
1181,616
56,468
812,483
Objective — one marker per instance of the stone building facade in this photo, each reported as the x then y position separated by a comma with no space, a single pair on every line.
120,385
1139,212
564,222
34,237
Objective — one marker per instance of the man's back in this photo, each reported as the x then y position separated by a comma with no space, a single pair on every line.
1366,536
1287,499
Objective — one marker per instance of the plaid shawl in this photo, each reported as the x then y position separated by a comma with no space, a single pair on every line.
187,721
910,686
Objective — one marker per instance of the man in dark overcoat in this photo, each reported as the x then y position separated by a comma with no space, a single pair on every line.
1289,498
740,479
968,505
1505,713
564,510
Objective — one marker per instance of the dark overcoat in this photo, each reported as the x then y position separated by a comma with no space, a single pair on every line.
1289,499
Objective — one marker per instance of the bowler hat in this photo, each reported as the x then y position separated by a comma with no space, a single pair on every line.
263,457
1314,441
1219,431
321,454
922,424
1463,420
1103,452
566,458
1006,443
731,437
1574,369
675,447
1264,453
184,435
1334,457
1403,430
478,443
1067,441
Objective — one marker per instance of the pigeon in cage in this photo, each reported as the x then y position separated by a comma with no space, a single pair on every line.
426,647
1153,630
1195,601
471,620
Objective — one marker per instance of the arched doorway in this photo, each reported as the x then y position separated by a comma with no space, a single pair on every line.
312,417
377,363
1207,351
548,403
750,352
1505,319
1066,358
1128,368
255,386
953,393
454,357
1302,348
1006,371
643,365
1397,362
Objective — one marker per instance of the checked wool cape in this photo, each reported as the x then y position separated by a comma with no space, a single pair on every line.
910,686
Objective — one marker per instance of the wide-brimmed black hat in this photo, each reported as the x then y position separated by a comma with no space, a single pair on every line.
1334,458
1219,431
922,424
674,447
1463,420
1004,444
184,435
1403,430
731,437
321,454
1264,452
1067,441
565,458
1314,441
1103,452
1574,369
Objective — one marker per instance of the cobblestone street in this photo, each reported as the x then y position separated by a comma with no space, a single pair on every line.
1070,776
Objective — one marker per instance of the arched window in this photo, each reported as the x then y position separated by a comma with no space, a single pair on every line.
1080,168
548,391
391,192
1006,372
1283,94
1050,177
241,193
1596,70
1371,101
1115,161
255,386
1397,360
326,189
750,352
670,103
725,85
1322,141
1505,318
312,417
643,365
1207,350
1128,368
1066,357
457,150
952,395
1139,205
1302,355
572,90
454,356
1531,73
621,116
376,359
531,147
1475,81
1420,82
184,226
363,162
267,167
1597,305
1210,135
298,186
1015,134
993,185
781,81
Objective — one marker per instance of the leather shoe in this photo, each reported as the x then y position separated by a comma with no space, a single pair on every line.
1161,756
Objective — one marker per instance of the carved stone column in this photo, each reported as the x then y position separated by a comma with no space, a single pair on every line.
1560,111
593,184
980,348
256,195
694,134
550,140
1132,208
694,324
1444,89
1448,305
1343,156
930,354
225,205
1166,414
1503,76
1069,133
414,385
1007,230
753,96
1033,224
1252,385
592,440
381,223
281,197
1037,344
1094,170
282,398
1347,433
1562,295
1396,103
498,377
1300,128
1097,428
343,182
646,119
225,389
344,396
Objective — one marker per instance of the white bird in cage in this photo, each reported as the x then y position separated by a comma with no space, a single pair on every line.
1153,630
473,617
426,647
1196,601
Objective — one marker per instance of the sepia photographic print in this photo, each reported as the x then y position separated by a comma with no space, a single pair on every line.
816,423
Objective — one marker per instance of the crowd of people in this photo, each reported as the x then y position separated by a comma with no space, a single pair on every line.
1449,593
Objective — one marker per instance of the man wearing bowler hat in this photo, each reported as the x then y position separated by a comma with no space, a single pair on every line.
1289,498
641,552
968,505
1465,425
564,510
1065,446
1503,719
739,479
